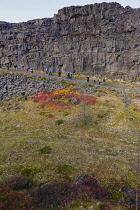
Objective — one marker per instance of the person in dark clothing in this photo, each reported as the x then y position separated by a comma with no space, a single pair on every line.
59,73
15,66
46,71
87,78
104,80
68,75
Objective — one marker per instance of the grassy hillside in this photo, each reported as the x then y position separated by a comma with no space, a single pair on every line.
50,144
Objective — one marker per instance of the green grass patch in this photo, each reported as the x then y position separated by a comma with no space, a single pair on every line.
59,122
45,150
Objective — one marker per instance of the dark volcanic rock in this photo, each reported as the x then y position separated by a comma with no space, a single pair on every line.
95,38
16,85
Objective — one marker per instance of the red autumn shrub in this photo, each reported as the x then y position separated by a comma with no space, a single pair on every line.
52,95
57,98
49,115
89,99
11,199
40,97
72,95
92,186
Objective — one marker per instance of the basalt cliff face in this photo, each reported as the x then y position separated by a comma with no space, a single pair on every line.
99,39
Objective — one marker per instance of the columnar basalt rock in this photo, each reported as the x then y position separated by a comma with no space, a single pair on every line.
98,39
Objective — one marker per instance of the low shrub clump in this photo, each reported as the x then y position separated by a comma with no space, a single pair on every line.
53,195
100,116
11,199
45,150
29,172
61,99
63,169
59,122
93,188
42,113
66,113
89,99
18,182
49,115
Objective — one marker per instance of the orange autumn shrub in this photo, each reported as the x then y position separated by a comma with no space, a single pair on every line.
59,99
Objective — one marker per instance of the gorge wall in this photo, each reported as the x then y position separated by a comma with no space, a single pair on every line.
96,39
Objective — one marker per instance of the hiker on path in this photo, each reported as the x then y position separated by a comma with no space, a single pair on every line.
87,78
99,81
50,72
32,71
8,67
70,75
46,71
59,73
94,79
15,66
104,80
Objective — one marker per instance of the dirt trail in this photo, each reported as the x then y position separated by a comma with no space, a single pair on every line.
127,104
